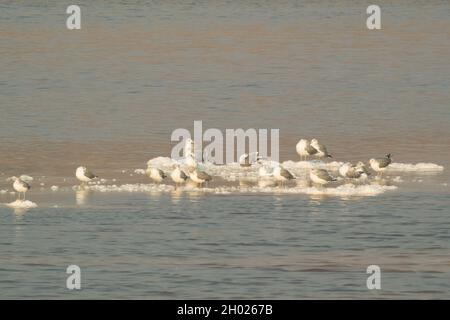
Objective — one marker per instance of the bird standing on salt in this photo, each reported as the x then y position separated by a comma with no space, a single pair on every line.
21,187
247,159
282,175
84,175
304,149
156,174
380,165
199,177
350,171
321,149
178,176
321,176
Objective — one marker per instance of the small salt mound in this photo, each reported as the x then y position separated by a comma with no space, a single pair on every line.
346,190
54,188
3,191
21,204
139,171
418,167
133,188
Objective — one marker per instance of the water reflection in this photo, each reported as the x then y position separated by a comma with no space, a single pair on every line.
82,196
176,195
264,183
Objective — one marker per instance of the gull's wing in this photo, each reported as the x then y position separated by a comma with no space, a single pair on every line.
203,175
90,175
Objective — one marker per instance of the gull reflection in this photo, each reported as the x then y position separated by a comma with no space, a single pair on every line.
82,196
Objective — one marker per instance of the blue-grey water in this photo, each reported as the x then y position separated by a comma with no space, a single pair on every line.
110,95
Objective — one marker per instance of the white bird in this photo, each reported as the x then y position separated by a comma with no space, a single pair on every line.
156,174
350,171
344,169
362,167
191,163
189,147
247,159
304,149
244,160
178,176
380,165
282,175
320,176
321,149
21,187
199,177
84,175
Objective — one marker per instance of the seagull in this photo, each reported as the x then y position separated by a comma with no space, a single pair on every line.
156,174
178,176
21,187
247,159
344,169
199,177
348,170
354,173
304,149
244,160
84,175
320,176
189,147
380,165
321,149
351,171
282,175
189,150
191,162
361,166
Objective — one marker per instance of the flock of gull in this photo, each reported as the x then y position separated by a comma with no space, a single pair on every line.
192,171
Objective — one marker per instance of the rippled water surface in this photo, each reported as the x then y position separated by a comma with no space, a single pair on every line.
110,95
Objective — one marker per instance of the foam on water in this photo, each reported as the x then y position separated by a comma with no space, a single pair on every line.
342,190
418,167
21,204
